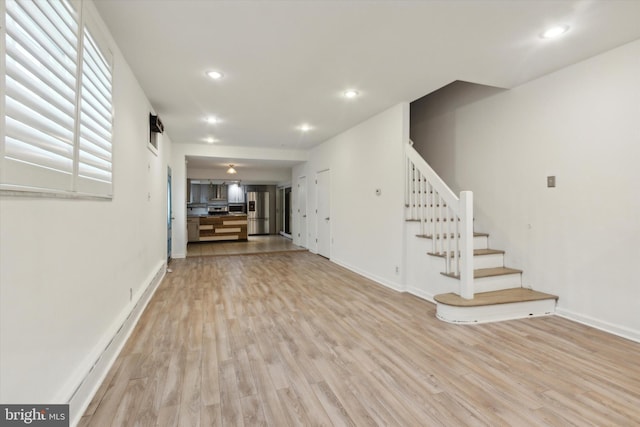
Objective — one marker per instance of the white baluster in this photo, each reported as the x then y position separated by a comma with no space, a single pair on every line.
407,186
421,204
456,249
466,270
413,193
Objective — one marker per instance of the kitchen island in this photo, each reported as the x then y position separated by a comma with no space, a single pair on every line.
214,228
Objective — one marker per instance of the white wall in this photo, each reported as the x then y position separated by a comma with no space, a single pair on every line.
580,240
67,266
366,230
433,119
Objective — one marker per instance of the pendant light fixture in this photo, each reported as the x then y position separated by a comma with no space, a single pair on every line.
231,170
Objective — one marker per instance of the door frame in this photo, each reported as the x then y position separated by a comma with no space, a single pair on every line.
302,223
320,218
170,217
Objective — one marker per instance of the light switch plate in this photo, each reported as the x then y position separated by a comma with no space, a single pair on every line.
551,181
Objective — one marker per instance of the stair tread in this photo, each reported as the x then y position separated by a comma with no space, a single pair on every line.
504,296
495,271
487,251
476,252
487,272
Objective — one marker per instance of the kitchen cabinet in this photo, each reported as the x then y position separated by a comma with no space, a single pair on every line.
226,227
195,193
200,192
235,193
193,229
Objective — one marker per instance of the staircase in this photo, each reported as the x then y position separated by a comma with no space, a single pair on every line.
483,288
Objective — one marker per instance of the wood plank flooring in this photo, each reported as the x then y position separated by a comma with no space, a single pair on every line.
255,245
291,339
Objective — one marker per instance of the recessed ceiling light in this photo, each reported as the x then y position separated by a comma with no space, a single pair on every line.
212,120
305,127
215,75
210,140
553,32
350,94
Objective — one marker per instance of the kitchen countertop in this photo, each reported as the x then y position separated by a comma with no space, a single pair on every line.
217,216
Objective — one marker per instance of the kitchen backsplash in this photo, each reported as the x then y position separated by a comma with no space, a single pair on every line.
191,211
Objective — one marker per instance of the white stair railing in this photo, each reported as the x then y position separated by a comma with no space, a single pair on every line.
444,217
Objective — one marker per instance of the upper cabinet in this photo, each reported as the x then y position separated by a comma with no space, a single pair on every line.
205,191
202,191
194,193
235,193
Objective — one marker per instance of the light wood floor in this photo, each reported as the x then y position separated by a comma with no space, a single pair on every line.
292,339
254,245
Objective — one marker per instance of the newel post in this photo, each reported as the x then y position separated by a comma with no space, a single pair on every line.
466,245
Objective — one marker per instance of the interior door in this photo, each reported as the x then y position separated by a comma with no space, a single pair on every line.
323,217
302,211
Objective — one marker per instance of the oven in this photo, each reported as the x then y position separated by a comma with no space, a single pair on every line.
218,210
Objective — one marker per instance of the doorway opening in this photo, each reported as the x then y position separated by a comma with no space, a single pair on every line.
285,210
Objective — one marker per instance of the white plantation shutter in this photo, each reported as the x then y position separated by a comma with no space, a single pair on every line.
41,66
94,154
57,110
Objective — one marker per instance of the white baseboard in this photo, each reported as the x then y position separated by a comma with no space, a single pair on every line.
396,287
380,280
422,294
611,328
81,397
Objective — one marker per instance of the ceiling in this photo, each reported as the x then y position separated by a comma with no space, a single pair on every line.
288,62
201,162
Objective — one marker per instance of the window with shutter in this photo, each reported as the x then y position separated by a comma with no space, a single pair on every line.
57,101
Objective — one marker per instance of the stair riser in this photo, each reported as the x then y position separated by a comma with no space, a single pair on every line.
488,261
483,261
480,242
494,313
497,283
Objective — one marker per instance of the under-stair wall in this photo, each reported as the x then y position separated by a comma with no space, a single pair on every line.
422,272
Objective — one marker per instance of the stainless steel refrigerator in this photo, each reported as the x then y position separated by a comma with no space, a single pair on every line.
257,212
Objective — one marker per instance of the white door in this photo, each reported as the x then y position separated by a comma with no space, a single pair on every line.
302,211
323,217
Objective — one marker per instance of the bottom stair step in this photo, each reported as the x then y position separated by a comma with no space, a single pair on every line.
505,304
503,296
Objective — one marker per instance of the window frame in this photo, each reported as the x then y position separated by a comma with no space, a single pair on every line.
83,185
